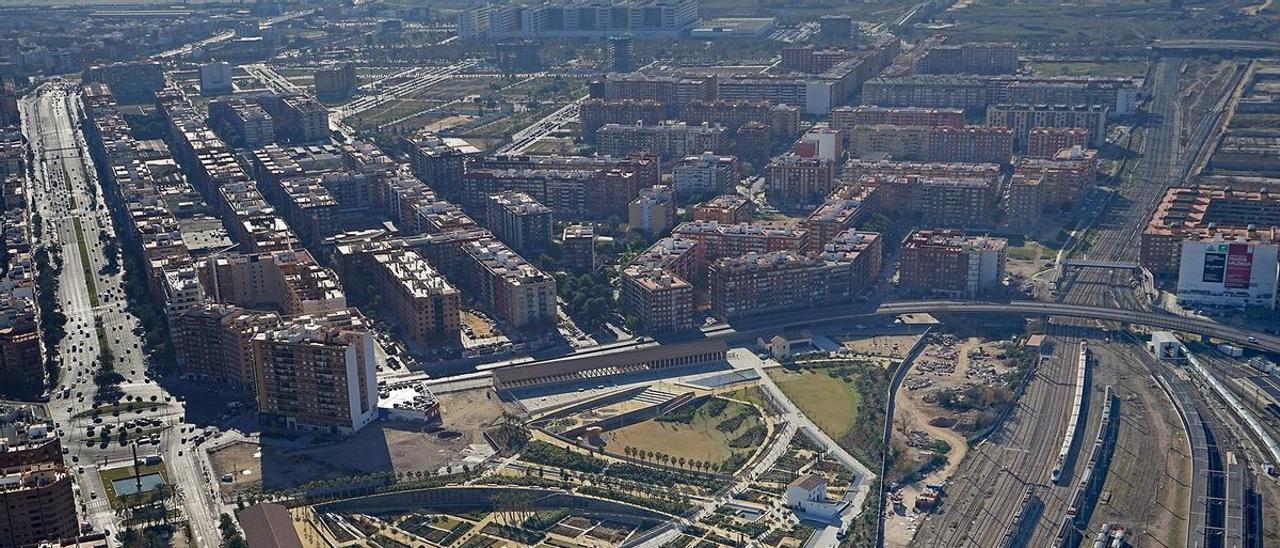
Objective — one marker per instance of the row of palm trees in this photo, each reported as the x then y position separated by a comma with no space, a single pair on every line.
668,460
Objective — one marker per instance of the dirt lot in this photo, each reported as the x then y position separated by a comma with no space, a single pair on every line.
913,414
479,328
242,461
884,346
380,446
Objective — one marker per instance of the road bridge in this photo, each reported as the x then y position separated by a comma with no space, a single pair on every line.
1214,47
772,323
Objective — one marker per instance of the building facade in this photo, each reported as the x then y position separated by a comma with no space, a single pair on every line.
951,264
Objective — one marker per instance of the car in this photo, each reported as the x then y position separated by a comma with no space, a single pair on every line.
1252,340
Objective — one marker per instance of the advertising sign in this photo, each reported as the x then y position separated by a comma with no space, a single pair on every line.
1214,268
1239,266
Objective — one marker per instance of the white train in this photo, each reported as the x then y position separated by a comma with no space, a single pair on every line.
1073,423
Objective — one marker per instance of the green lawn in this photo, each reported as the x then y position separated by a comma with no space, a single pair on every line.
699,439
1031,251
829,402
751,394
86,266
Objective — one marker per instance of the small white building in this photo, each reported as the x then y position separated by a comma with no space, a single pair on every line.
808,495
806,488
1165,345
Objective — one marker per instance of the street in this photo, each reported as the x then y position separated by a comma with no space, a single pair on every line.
75,221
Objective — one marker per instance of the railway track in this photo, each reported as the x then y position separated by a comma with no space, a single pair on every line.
982,501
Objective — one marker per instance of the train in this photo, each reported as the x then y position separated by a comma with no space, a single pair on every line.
1073,423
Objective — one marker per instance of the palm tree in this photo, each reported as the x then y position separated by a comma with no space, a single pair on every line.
681,460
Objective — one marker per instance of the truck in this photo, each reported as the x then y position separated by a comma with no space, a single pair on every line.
1231,350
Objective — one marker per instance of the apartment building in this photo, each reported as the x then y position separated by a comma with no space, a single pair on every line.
520,221
948,202
977,144
1025,200
836,28
578,19
578,248
845,207
845,118
1229,269
1045,142
970,58
951,264
666,140
1202,214
287,281
677,255
974,144
317,373
793,181
440,216
438,161
653,211
310,209
1023,118
35,486
21,359
967,93
717,241
573,187
595,113
865,253
809,59
131,83
334,82
855,170
1120,96
657,286
500,280
242,122
761,283
1065,177
726,209
659,300
705,174
517,56
783,119
423,302
300,119
215,343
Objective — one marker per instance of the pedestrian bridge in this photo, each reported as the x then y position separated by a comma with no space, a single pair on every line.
1113,265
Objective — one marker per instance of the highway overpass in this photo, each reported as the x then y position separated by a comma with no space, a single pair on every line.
772,323
1250,48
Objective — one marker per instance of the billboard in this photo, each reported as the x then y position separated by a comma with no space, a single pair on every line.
1214,268
1239,267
